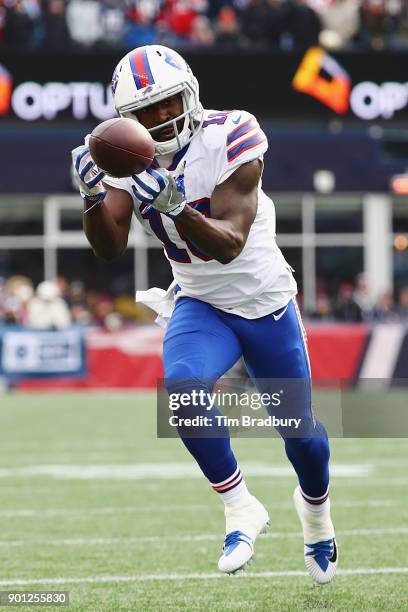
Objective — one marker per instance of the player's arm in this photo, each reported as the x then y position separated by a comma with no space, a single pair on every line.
233,210
107,225
107,210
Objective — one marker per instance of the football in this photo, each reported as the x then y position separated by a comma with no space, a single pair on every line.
121,147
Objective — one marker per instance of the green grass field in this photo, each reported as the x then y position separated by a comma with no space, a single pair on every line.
93,503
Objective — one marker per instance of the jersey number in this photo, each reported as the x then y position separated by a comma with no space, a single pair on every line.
173,251
217,118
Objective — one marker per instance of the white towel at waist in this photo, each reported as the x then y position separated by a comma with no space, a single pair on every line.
160,301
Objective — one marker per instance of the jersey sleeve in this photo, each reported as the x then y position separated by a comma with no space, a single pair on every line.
119,183
244,142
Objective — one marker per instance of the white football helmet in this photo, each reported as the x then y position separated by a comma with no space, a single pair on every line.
152,73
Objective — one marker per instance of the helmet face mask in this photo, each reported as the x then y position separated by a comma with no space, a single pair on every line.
149,75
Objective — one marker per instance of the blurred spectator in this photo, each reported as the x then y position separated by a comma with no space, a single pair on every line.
2,20
341,23
382,22
202,34
140,30
130,310
81,315
76,293
300,25
80,311
179,16
255,23
22,24
84,21
2,281
384,310
375,12
402,308
55,29
101,308
47,310
323,310
113,22
345,307
148,9
64,289
228,32
15,295
362,298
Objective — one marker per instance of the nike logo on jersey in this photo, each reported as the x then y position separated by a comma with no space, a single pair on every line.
236,121
280,315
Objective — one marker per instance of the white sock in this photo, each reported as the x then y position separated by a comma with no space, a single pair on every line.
315,518
236,495
233,489
316,504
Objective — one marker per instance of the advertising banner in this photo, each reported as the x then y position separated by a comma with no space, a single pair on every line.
48,105
354,85
32,353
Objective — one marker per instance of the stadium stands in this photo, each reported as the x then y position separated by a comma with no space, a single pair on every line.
22,304
260,24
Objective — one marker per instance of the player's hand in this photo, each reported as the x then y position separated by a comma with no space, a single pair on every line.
87,174
162,189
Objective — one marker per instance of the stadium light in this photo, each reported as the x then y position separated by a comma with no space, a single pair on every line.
324,181
399,184
400,242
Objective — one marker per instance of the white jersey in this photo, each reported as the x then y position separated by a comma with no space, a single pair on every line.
259,280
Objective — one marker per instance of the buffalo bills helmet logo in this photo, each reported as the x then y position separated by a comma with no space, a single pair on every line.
115,79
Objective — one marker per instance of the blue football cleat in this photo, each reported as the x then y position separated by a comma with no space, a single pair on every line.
320,548
321,560
245,520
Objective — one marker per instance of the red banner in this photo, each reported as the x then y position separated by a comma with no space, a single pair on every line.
131,359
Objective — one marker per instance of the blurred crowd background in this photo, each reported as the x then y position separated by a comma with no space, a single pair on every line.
252,24
57,304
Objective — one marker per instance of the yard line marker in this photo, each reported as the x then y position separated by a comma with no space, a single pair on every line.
205,537
51,512
373,482
176,470
75,512
362,571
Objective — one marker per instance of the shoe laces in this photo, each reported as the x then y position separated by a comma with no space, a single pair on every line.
234,537
324,548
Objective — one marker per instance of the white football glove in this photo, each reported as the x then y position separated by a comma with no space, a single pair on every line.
162,189
87,174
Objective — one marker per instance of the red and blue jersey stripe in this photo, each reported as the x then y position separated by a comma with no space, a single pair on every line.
140,67
241,130
249,143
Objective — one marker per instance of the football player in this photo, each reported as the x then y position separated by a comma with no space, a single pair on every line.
233,293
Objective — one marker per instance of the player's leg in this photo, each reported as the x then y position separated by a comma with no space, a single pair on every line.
198,348
276,349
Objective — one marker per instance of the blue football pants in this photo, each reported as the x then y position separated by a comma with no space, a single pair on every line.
203,342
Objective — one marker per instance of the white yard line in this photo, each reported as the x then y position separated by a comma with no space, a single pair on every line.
362,571
165,471
75,512
205,537
372,482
